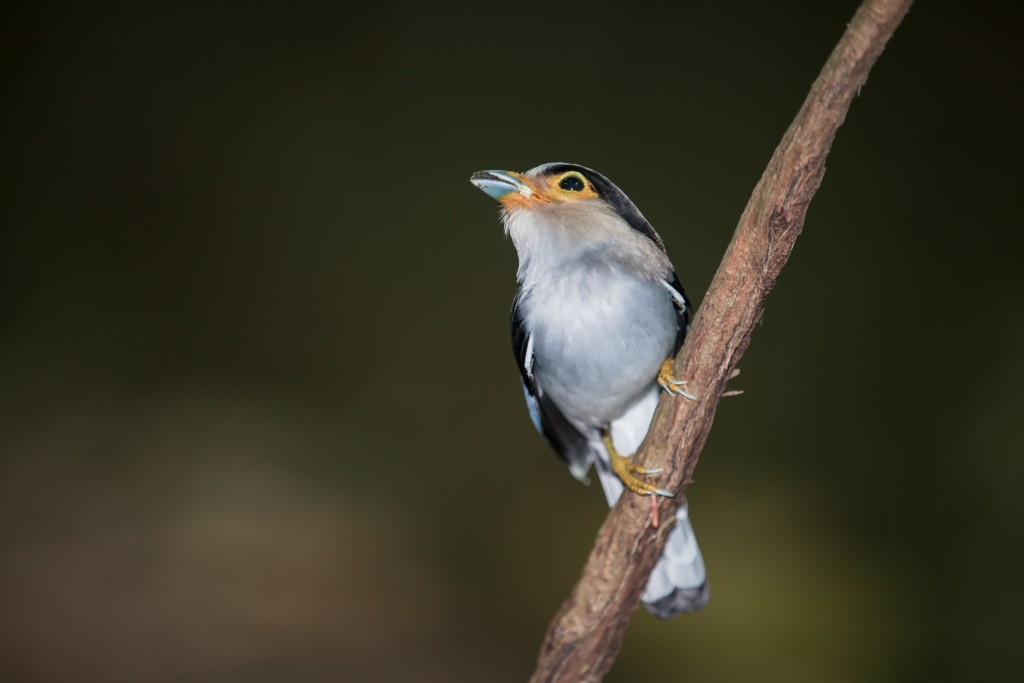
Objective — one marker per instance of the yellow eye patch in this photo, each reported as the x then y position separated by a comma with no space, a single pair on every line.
573,185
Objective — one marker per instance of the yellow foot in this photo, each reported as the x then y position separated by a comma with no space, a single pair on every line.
671,384
631,474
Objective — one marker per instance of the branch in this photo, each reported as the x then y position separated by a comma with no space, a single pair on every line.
586,633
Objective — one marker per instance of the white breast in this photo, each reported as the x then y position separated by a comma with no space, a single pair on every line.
600,319
599,338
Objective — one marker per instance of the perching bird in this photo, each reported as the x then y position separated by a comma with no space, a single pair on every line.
597,319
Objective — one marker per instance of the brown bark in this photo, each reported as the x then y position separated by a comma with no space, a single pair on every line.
586,633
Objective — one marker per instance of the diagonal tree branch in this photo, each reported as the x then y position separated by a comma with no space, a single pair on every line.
586,633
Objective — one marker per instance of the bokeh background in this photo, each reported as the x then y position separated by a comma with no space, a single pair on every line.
259,418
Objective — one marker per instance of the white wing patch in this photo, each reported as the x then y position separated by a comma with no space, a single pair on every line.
528,359
676,295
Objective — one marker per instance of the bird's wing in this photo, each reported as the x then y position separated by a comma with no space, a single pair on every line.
570,445
682,306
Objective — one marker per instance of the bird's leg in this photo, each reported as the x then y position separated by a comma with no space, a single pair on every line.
671,384
631,474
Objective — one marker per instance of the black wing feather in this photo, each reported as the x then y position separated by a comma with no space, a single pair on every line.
570,445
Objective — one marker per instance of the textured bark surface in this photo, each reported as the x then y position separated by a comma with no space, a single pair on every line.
586,633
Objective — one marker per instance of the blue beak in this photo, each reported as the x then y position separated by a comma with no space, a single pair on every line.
498,183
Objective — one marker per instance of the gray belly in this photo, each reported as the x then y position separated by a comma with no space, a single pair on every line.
597,350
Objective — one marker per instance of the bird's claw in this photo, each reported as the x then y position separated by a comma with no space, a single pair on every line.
657,492
631,475
674,389
670,384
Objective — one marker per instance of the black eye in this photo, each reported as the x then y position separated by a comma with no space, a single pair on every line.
572,183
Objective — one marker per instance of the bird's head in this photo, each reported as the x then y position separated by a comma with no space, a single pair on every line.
538,187
556,212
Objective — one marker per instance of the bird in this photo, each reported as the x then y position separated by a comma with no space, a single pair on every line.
598,316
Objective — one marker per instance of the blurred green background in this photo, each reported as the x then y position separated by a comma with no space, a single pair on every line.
259,417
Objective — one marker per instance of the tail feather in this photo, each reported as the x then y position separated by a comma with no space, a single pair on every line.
679,581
